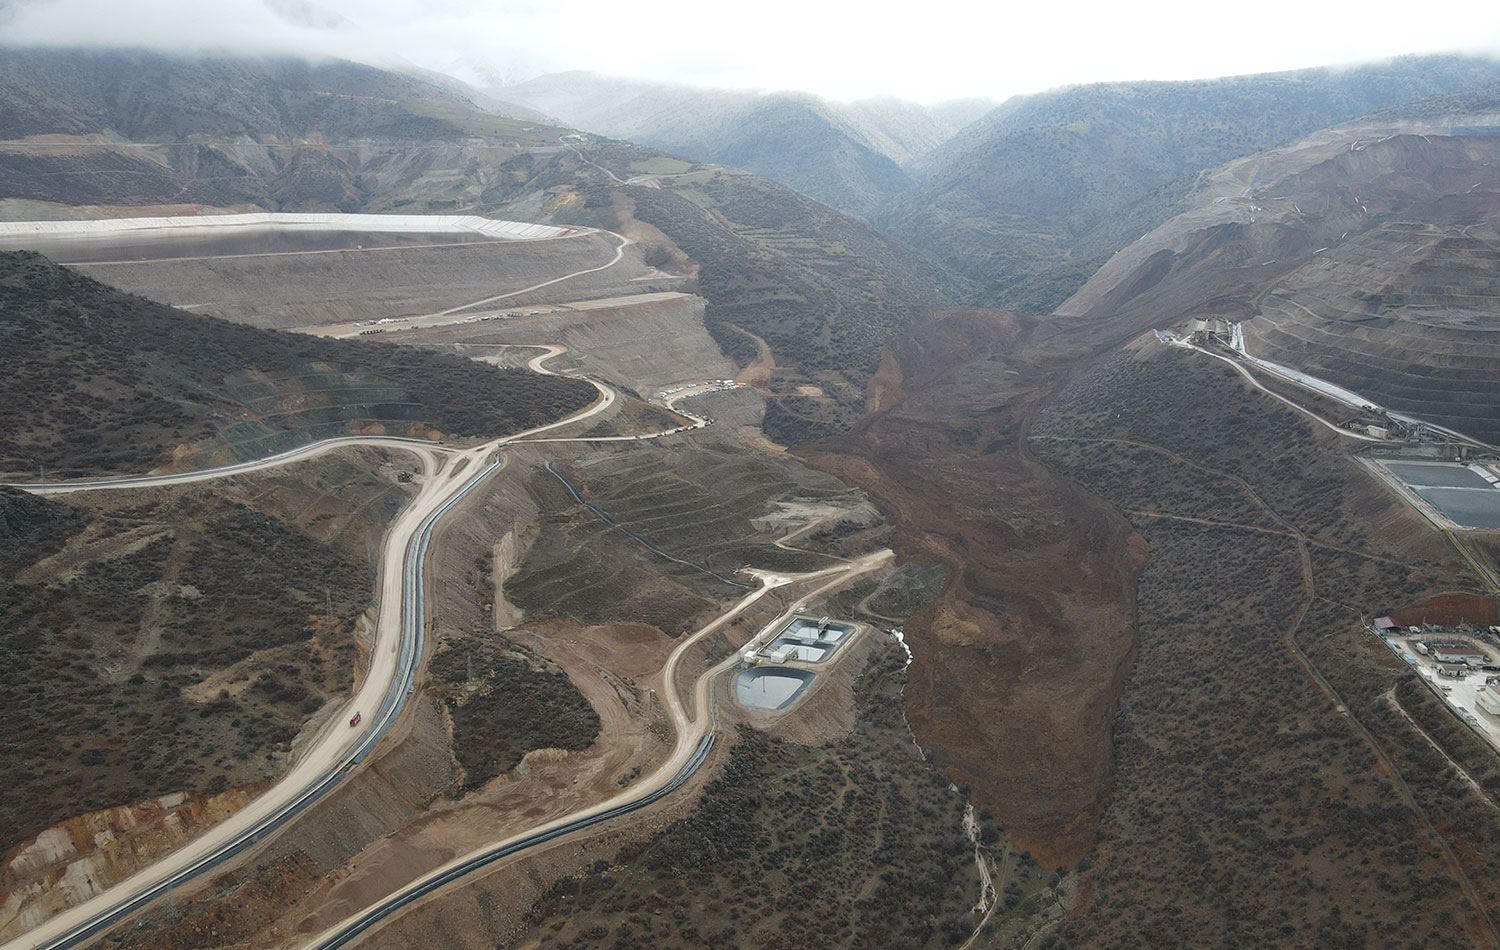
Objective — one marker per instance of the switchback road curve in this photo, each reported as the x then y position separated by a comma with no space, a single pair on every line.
450,474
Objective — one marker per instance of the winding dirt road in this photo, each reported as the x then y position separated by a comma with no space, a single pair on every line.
691,726
451,315
449,473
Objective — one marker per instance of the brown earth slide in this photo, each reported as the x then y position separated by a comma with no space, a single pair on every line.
1019,663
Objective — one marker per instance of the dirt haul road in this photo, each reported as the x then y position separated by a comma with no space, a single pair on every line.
454,314
691,728
423,448
450,474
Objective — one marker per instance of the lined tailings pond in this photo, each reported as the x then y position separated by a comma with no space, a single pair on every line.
765,688
1458,491
175,244
1437,475
1470,507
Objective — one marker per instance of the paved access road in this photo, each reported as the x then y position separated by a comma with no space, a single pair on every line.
450,474
694,736
423,448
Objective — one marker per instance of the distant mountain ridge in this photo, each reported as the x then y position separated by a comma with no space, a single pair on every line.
142,96
847,155
1033,197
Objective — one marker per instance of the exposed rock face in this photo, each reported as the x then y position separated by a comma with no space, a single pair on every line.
71,862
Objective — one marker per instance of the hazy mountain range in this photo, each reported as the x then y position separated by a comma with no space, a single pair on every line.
1026,197
848,154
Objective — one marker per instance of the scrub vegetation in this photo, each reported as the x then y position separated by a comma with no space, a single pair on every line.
858,842
504,703
170,641
98,381
1245,804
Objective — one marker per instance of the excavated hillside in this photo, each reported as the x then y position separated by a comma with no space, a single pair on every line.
823,292
1407,314
1361,255
99,381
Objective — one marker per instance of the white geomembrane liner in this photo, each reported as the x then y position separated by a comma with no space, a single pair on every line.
391,223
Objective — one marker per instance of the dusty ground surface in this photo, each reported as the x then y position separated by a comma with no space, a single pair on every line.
697,501
1449,610
638,344
1024,656
191,634
509,646
334,865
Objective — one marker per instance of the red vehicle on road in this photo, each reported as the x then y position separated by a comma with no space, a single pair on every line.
358,718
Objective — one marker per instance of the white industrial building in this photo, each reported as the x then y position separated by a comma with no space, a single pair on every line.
1488,699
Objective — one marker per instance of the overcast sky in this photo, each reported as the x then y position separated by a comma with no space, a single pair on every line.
928,51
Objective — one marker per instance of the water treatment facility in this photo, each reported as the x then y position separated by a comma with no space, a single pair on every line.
777,674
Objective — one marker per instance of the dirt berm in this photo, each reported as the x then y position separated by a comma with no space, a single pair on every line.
1018,665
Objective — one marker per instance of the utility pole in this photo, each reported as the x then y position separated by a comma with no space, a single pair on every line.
328,602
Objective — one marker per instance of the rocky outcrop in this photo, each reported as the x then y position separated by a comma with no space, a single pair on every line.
70,862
